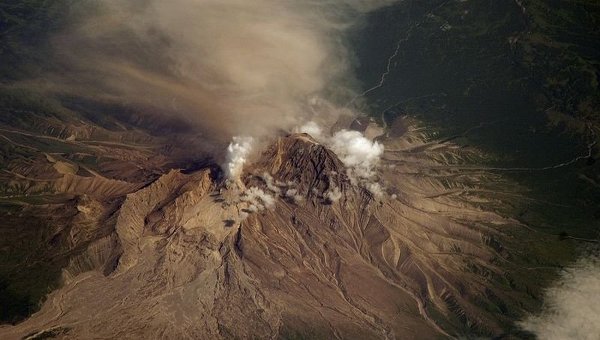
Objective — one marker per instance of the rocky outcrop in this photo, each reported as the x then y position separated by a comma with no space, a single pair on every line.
299,159
96,185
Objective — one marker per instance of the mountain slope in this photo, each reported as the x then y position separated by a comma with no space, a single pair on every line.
191,256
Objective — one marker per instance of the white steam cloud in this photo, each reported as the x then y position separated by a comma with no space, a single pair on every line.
572,306
333,194
294,195
237,155
358,153
258,199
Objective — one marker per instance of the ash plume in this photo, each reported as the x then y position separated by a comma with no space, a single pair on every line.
230,67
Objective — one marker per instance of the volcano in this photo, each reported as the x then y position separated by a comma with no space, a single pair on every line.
190,255
395,169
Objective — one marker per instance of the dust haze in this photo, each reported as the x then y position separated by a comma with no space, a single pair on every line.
231,67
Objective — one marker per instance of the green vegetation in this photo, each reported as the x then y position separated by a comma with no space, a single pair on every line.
31,258
25,26
517,79
18,103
